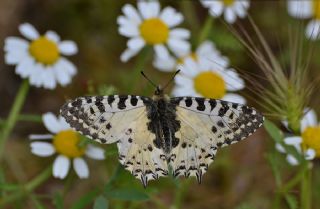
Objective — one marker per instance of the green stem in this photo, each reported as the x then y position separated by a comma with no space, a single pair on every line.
13,115
204,33
30,118
27,188
305,195
139,65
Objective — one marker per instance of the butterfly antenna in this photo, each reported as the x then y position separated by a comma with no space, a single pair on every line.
174,75
144,75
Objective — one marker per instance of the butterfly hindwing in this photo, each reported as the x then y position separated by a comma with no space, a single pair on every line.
206,125
121,119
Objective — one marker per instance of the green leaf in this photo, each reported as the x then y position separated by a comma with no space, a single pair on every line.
127,194
58,200
292,202
101,203
85,200
275,133
274,163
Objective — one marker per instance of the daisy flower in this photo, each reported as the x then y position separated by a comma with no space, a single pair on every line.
147,25
307,9
206,50
64,143
210,79
308,142
231,9
38,57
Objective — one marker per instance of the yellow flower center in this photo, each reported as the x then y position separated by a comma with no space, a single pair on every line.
316,9
154,31
192,55
311,139
210,85
44,50
67,143
228,2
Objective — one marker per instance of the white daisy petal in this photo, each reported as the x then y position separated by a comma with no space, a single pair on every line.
131,13
233,81
300,9
292,160
42,149
96,153
240,9
61,167
81,168
171,17
63,124
310,154
178,47
15,43
145,9
179,33
28,31
236,98
183,81
167,65
205,48
161,51
313,29
215,7
68,48
68,66
15,57
51,122
40,136
280,148
129,31
293,140
309,119
62,76
25,68
229,15
127,54
53,36
136,43
49,79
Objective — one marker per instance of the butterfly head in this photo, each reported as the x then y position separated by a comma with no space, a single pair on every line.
158,91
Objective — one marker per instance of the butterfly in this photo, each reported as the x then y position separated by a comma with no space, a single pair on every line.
153,134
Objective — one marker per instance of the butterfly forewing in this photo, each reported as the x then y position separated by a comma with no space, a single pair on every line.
206,125
121,119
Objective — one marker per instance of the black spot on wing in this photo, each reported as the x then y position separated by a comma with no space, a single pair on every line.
213,104
188,101
122,102
110,99
200,102
133,100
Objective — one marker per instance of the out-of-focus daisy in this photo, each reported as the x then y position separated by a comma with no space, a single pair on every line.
65,143
150,26
307,9
39,57
210,79
308,143
231,9
206,50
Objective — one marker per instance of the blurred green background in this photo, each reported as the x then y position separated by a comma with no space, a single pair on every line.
240,177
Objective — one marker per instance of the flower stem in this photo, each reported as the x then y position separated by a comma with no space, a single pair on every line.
139,65
13,115
204,33
305,195
27,188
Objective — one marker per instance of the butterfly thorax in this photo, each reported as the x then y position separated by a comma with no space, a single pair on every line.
163,123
